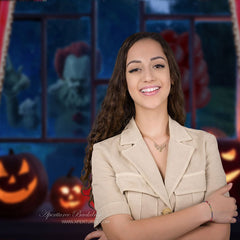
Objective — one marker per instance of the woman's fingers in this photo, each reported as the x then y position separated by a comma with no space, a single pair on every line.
224,208
234,220
235,214
94,234
224,189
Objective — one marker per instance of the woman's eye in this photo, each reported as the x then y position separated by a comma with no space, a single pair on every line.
134,70
159,66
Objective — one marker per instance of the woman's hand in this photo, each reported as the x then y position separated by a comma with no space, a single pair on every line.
224,208
96,234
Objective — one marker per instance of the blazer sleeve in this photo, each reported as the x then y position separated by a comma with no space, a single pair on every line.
108,200
215,175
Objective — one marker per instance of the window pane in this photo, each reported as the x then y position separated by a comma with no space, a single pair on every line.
100,92
54,6
20,110
115,23
69,88
162,25
218,111
187,6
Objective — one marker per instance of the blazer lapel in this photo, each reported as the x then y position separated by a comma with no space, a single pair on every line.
179,155
137,152
180,152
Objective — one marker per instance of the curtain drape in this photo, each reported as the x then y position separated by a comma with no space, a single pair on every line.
6,11
235,12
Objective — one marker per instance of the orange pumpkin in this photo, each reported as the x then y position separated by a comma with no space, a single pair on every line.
66,194
230,154
23,184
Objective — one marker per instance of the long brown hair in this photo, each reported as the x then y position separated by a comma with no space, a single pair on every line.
118,107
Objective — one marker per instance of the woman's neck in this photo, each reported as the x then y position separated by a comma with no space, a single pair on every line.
153,124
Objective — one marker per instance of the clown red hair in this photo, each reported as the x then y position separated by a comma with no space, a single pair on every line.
77,48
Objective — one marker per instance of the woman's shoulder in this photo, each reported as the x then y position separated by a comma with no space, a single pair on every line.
130,133
199,134
108,143
180,131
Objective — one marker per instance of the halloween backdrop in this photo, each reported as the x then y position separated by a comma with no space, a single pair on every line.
57,58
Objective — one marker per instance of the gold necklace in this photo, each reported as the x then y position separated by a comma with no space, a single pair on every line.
159,147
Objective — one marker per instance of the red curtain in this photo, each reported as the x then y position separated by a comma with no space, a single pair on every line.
6,10
235,11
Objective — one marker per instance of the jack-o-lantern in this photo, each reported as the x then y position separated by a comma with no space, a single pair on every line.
23,184
67,195
230,154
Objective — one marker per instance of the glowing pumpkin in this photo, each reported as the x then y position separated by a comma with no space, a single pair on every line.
23,184
230,154
66,194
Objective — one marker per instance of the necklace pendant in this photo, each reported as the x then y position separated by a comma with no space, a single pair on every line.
160,147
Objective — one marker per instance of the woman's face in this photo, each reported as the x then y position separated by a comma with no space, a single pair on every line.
148,75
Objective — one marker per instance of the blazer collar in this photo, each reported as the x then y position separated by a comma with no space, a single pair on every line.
131,133
179,155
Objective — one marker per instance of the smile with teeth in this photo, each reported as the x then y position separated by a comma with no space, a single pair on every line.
149,90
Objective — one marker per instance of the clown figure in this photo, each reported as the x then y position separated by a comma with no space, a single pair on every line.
69,97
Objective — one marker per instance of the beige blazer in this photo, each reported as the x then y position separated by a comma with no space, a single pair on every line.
126,179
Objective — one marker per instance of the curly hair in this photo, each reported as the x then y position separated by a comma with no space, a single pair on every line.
118,107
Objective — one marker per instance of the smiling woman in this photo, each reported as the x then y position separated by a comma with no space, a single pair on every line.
147,74
149,173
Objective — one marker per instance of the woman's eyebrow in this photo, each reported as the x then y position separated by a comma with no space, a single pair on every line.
134,61
154,58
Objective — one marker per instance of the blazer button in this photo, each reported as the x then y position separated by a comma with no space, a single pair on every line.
166,211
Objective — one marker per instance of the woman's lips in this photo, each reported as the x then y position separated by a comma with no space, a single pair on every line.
149,91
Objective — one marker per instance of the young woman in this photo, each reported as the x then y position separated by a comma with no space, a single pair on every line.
152,178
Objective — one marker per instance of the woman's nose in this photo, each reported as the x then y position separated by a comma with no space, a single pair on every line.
148,76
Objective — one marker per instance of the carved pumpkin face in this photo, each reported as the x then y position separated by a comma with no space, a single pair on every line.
23,184
230,155
66,194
